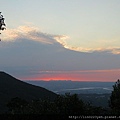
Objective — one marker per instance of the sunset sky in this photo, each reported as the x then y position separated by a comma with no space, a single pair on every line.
61,39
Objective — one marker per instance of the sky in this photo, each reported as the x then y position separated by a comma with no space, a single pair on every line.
61,39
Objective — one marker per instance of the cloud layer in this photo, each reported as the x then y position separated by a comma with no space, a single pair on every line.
33,33
26,52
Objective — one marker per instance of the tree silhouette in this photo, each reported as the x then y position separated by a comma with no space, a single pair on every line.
70,104
115,98
63,105
17,105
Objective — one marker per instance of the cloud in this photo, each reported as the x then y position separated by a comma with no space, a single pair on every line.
28,49
32,33
62,40
76,71
112,50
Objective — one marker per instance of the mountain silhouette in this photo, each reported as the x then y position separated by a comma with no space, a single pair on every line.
11,87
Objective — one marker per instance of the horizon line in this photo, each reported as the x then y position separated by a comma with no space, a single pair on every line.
65,80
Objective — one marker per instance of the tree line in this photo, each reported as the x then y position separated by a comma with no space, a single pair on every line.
65,105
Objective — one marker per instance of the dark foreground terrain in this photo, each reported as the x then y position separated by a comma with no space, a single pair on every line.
11,87
20,98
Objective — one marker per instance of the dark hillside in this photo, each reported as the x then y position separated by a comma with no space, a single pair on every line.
11,87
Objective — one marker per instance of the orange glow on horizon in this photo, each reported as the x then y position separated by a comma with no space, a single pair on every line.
89,75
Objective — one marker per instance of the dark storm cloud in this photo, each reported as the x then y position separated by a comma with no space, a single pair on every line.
34,50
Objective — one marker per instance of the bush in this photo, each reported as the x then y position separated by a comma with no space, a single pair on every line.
114,102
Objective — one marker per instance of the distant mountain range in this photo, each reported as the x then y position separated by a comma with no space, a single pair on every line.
11,87
96,93
62,87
